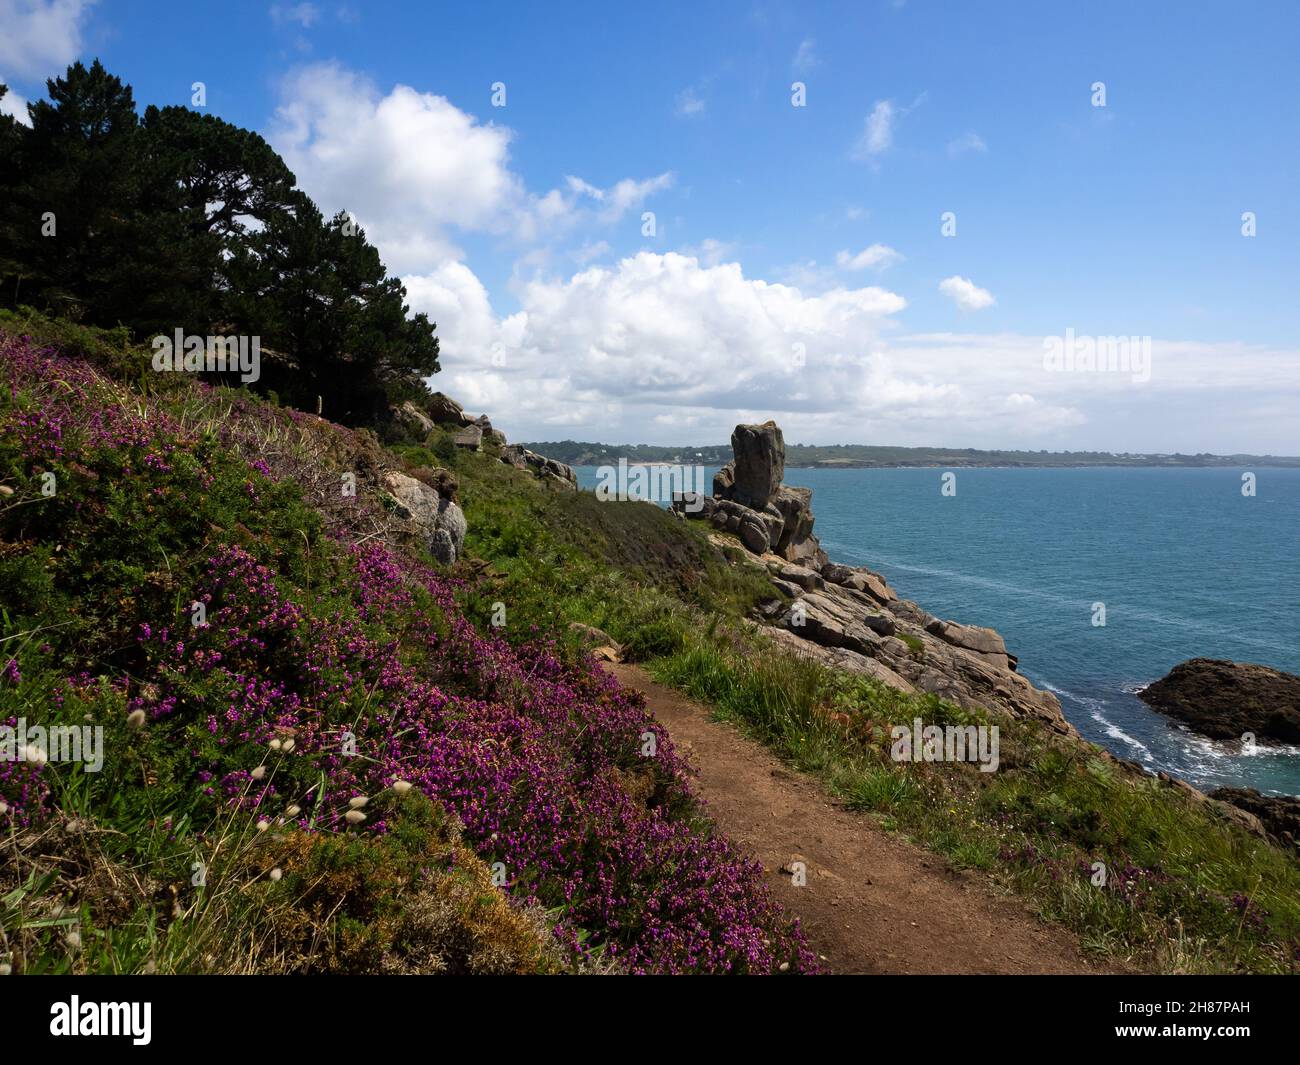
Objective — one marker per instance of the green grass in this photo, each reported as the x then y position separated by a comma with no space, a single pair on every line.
914,643
1186,890
632,569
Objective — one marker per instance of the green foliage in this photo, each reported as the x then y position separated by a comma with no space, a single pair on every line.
185,221
318,291
416,900
109,349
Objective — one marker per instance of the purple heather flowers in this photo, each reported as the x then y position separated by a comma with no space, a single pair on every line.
380,682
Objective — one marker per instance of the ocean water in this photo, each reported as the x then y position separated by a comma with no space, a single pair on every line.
1185,564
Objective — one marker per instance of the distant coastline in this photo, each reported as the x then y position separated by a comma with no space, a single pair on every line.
865,456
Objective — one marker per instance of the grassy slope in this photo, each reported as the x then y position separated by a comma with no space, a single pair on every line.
1185,890
210,842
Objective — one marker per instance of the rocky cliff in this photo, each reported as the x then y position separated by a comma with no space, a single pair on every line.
848,616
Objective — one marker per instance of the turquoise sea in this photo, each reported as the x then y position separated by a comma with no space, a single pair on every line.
1185,564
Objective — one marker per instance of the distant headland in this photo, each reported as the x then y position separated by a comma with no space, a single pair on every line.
862,456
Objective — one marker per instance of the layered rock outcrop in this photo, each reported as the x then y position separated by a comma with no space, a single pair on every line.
1278,815
848,616
750,500
548,469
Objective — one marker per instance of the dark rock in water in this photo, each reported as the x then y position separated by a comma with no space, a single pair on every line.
1226,700
1279,814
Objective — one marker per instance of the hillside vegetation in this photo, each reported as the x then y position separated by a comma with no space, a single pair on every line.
500,812
313,759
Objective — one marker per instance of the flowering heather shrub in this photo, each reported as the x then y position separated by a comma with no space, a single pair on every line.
326,670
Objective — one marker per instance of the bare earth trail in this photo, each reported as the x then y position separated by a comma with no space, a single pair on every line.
872,903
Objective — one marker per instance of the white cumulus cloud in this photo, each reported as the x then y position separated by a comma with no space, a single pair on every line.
968,142
13,104
415,169
876,257
40,37
966,294
878,132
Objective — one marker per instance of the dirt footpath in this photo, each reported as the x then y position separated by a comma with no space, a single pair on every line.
872,903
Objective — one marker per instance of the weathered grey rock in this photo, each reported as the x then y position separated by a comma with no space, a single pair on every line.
895,647
752,480
808,579
759,463
753,533
837,574
983,641
831,623
413,418
880,624
788,587
591,636
470,438
863,580
1278,815
775,523
561,472
694,505
440,522
840,658
488,433
807,553
795,507
908,611
724,480
548,469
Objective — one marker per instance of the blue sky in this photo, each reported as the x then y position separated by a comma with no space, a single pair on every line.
798,269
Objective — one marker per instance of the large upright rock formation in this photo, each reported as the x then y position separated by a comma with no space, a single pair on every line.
750,500
848,616
759,463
